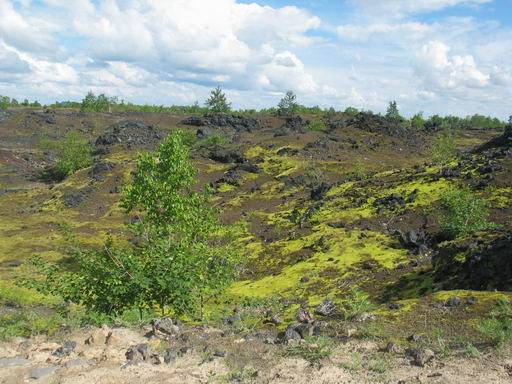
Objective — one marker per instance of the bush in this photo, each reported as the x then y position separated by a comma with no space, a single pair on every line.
183,256
317,126
356,303
100,103
462,213
443,150
217,102
351,111
73,153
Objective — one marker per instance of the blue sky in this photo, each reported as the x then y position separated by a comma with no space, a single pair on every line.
436,56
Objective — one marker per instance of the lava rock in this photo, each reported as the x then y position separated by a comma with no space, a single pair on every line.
326,308
138,353
420,357
319,192
165,328
65,350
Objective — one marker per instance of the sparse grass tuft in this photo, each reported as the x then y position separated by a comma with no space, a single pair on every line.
357,303
313,349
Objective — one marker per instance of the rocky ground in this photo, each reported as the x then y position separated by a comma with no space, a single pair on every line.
350,207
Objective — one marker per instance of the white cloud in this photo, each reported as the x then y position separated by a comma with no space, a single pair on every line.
440,71
402,8
410,30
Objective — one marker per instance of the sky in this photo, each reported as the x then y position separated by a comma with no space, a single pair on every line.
436,56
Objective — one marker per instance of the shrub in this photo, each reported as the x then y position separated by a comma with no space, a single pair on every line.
497,327
5,102
288,104
317,126
183,256
356,303
443,149
100,103
73,153
351,111
217,102
462,213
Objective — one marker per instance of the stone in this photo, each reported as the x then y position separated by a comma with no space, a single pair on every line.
453,302
39,373
138,353
390,347
414,338
65,350
420,357
326,308
13,361
165,328
303,316
170,356
291,336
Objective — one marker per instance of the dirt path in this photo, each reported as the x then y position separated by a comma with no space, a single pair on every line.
102,359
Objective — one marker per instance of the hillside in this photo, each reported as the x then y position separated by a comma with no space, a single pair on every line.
354,206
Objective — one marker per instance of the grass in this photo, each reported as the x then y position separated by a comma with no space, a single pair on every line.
497,326
354,363
357,303
313,349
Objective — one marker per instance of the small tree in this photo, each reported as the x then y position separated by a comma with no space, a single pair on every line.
5,102
351,111
217,102
418,122
100,103
462,213
392,112
184,254
288,104
443,150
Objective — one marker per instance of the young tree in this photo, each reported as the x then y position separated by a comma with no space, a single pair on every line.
183,256
392,112
462,213
217,102
5,102
288,104
418,122
351,111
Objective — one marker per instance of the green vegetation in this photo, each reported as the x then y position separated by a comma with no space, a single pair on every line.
443,150
288,104
497,327
217,102
356,303
100,103
73,153
313,349
317,126
183,256
418,122
462,213
351,111
392,112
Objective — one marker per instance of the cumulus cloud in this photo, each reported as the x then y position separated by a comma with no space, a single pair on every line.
439,70
410,30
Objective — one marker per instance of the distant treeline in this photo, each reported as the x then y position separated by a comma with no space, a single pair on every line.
288,105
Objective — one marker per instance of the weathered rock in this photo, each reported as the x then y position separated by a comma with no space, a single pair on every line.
453,302
170,356
77,363
131,133
138,353
223,155
326,308
195,121
73,200
420,357
165,328
291,336
65,350
303,316
319,192
463,266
